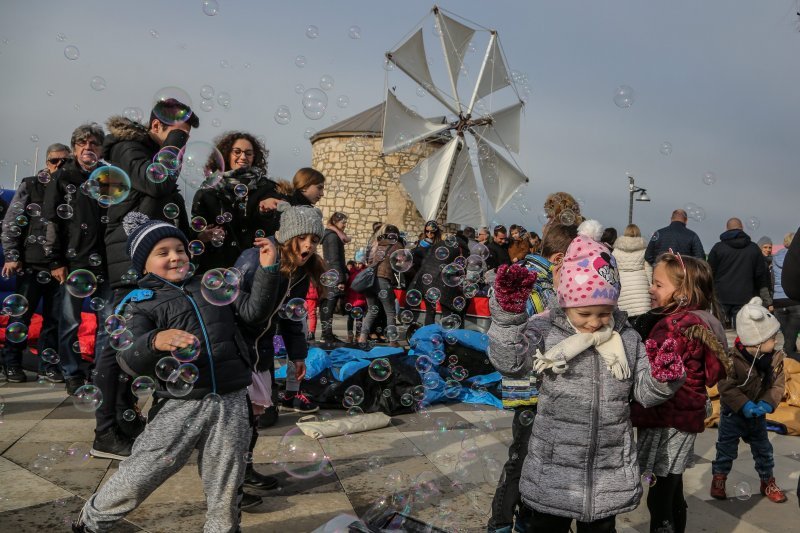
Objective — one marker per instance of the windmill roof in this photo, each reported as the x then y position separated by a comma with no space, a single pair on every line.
368,121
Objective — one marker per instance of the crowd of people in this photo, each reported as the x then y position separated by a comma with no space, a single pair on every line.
189,306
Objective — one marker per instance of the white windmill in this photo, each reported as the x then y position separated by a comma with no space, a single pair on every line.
496,134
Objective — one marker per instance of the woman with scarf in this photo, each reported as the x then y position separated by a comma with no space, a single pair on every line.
333,242
229,230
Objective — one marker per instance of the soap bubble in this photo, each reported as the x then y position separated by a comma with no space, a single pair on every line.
172,211
567,217
87,398
452,388
354,32
709,178
110,185
312,32
666,148
441,253
196,248
188,373
380,369
171,113
64,211
283,115
353,395
179,388
624,96
240,190
401,260
206,92
427,279
187,353
50,356
198,224
16,332
71,52
129,415
81,283
391,333
300,456
143,386
194,161
167,368
742,491
15,305
450,322
753,223
452,275
121,341
133,113
357,313
329,278
168,158
459,303
295,309
423,364
220,286
433,294
343,101
315,103
300,62
406,399
224,99
157,173
526,417
210,7
413,298
406,316
115,324
43,277
649,479
97,304
98,83
326,82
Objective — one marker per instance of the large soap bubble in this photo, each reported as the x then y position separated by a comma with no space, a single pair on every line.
169,112
315,103
87,398
624,96
201,164
81,283
401,260
110,185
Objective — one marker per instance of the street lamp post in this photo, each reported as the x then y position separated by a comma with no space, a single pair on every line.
633,189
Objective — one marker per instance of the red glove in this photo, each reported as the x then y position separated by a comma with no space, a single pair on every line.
512,287
666,363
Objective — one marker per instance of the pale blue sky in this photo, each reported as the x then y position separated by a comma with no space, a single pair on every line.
718,79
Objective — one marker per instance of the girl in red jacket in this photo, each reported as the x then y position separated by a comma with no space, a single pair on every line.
681,296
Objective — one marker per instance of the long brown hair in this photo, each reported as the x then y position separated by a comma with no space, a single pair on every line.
306,177
693,281
291,267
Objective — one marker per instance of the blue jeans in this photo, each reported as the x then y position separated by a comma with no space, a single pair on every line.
734,426
33,291
789,318
71,321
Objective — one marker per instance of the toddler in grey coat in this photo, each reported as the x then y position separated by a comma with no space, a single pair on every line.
581,462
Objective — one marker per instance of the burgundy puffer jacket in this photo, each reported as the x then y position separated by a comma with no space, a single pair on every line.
686,410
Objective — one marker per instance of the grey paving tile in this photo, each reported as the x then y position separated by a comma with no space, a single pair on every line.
56,515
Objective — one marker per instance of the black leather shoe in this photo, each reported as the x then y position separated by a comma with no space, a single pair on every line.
74,383
257,481
250,501
269,418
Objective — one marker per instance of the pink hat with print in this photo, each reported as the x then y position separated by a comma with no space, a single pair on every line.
589,275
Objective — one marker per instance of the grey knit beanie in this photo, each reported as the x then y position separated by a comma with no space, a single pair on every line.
298,220
764,240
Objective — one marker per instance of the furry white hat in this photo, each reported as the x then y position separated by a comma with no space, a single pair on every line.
754,324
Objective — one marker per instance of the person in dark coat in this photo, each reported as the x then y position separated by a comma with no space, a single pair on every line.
333,241
232,217
131,146
498,249
75,241
790,274
677,237
307,188
740,271
192,344
23,246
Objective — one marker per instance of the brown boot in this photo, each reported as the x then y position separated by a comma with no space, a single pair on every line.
718,487
772,491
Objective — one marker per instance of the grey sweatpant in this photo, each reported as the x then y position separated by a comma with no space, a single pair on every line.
219,430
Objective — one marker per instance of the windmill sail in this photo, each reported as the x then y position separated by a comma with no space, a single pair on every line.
410,58
493,75
504,129
500,177
455,39
426,182
463,201
403,127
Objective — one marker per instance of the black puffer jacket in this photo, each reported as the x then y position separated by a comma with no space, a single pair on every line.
259,335
740,271
333,253
498,255
163,305
433,265
130,147
30,191
676,236
268,221
71,242
241,230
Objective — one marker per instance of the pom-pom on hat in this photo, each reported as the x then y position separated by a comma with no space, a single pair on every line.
589,275
298,220
754,324
144,233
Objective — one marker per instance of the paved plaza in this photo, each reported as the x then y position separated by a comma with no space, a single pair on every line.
46,473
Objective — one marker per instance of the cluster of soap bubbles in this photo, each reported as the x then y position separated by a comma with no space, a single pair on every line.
221,286
695,212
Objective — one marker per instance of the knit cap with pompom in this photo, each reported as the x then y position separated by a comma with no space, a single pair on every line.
589,274
144,233
755,324
298,220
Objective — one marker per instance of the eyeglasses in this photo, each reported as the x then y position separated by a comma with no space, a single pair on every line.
238,151
87,142
57,160
680,260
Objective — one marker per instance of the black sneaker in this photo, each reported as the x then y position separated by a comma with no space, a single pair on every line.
111,444
15,374
257,481
269,418
300,403
249,501
74,383
53,375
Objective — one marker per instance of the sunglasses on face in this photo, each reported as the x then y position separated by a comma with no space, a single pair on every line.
57,160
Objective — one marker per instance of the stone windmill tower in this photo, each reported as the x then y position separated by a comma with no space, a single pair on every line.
361,182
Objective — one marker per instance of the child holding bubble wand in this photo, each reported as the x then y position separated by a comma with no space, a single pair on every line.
678,325
581,462
187,347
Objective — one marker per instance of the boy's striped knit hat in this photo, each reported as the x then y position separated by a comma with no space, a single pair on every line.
144,233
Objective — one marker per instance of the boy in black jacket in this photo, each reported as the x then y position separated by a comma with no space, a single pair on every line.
185,338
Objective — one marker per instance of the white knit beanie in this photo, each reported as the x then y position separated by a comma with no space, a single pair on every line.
754,324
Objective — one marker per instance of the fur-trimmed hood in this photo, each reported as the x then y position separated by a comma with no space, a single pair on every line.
629,244
124,129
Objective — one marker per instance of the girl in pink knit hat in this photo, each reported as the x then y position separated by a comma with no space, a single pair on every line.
581,462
